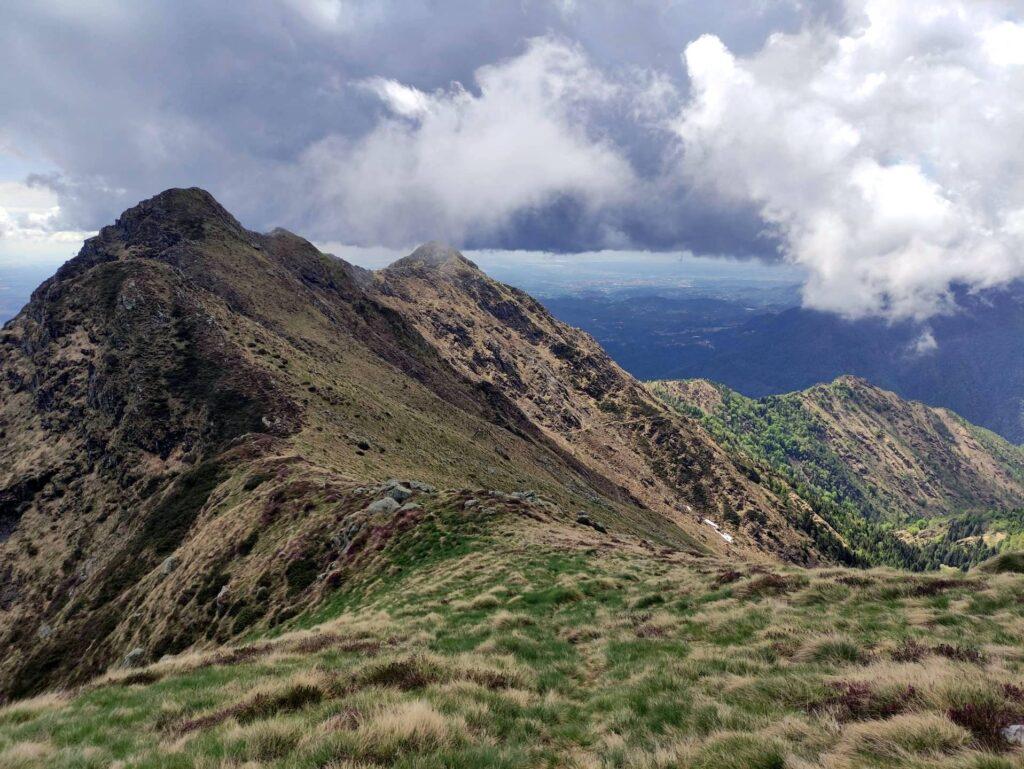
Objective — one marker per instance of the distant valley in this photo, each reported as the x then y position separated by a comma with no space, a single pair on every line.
971,362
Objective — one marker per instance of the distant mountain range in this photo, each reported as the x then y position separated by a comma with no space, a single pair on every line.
883,471
971,362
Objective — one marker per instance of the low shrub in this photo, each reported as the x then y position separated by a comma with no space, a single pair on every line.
960,653
909,650
859,701
985,720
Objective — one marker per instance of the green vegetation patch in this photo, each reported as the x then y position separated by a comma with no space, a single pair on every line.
511,653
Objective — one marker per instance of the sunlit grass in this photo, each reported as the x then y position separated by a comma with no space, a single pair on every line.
520,654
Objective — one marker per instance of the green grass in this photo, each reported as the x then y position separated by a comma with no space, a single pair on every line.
513,651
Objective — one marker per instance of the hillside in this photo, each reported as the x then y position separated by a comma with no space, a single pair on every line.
261,508
564,383
856,451
525,641
200,422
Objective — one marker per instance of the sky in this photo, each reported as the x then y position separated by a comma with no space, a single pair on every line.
872,146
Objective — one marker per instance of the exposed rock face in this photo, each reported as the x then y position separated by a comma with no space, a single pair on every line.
190,412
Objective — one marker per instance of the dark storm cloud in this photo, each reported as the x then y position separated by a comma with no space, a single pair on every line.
288,111
875,144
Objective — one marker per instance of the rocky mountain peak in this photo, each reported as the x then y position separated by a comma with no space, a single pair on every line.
160,227
186,209
433,256
851,380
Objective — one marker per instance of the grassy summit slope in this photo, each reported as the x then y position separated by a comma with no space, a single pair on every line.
261,508
189,411
513,639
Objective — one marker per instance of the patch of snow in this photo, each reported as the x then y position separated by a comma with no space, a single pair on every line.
724,535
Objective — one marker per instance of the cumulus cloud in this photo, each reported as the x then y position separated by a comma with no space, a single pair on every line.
116,102
459,163
877,144
32,233
925,343
886,157
30,212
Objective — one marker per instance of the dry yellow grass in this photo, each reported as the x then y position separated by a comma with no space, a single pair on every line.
26,753
414,725
708,676
899,740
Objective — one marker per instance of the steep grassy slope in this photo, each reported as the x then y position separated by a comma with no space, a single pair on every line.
515,639
864,455
192,414
189,398
261,508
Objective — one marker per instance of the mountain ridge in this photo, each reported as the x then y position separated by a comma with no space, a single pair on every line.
566,383
850,443
261,508
972,361
184,378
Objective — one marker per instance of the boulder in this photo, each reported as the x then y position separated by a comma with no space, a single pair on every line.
386,505
399,493
585,520
1014,734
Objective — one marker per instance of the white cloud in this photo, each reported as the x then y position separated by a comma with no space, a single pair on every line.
888,157
1004,44
453,163
403,100
31,213
925,343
